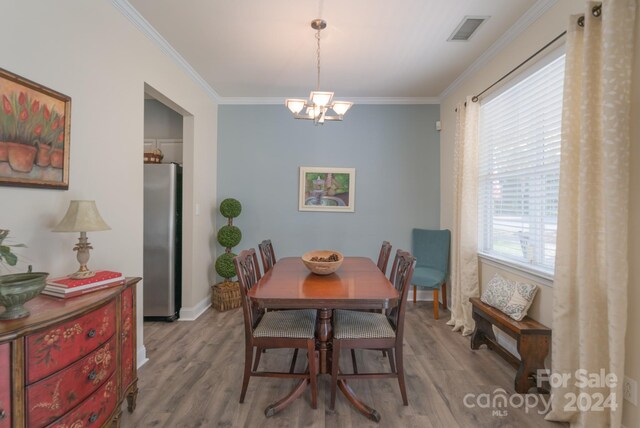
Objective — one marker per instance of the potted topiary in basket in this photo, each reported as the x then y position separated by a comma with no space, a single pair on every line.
226,294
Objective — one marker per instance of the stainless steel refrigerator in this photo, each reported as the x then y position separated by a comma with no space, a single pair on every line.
162,241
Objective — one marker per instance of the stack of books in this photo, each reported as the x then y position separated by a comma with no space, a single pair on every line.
67,287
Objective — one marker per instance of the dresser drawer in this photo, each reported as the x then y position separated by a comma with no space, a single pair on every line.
128,324
52,397
57,347
94,411
5,386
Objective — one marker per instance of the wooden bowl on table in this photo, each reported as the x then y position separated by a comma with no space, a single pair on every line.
321,262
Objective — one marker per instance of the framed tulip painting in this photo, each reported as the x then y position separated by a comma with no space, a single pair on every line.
34,134
327,189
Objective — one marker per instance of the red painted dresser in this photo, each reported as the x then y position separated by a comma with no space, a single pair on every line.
5,386
72,362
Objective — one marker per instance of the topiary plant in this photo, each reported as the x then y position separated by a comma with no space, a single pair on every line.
228,236
225,267
230,208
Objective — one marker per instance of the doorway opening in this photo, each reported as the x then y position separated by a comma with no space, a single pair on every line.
163,207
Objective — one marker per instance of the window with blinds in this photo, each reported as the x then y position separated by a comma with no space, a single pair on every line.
519,166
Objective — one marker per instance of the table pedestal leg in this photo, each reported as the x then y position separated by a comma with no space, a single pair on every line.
274,408
296,392
324,334
355,402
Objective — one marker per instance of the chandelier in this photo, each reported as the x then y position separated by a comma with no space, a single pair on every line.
319,102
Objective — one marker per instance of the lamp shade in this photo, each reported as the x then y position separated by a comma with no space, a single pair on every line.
81,216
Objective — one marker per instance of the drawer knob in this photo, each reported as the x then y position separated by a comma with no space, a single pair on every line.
2,414
93,418
92,332
92,375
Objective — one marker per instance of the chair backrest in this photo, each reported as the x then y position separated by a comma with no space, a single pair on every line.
431,248
401,274
383,257
267,255
248,272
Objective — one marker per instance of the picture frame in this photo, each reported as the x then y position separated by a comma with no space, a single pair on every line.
327,189
35,124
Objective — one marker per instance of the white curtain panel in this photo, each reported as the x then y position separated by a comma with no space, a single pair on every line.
464,234
591,269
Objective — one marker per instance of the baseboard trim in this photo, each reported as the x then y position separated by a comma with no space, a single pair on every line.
142,356
421,295
192,313
424,295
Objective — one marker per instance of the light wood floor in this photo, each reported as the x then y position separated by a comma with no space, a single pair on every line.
195,368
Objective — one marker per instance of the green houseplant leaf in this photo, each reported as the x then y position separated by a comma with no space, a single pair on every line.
7,256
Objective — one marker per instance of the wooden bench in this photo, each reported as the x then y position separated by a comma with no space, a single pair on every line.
533,341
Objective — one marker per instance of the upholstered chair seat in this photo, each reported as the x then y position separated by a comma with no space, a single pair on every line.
298,324
361,325
427,277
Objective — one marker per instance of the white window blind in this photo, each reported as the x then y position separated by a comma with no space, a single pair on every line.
519,164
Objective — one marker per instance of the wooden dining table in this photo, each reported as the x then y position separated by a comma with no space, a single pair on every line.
357,284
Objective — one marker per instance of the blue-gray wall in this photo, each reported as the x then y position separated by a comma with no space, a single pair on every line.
395,150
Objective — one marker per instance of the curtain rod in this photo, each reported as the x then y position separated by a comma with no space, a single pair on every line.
595,11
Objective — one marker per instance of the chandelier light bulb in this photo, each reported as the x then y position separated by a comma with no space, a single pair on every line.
295,105
321,99
341,107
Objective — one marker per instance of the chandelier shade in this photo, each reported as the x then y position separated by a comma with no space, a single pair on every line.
319,102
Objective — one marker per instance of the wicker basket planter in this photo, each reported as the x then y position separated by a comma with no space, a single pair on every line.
225,295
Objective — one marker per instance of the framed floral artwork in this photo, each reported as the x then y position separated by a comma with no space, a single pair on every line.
34,134
327,189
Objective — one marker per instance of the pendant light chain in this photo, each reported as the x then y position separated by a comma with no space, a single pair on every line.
318,58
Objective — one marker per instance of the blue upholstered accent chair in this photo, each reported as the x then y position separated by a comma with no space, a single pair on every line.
431,249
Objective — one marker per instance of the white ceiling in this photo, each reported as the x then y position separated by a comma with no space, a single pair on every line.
370,48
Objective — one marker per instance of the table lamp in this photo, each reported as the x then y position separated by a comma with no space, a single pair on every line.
83,217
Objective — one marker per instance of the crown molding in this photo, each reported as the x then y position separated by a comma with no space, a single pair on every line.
251,100
147,29
396,100
361,100
529,17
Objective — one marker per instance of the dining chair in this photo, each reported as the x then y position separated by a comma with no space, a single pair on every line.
278,329
431,249
383,260
383,257
267,255
369,330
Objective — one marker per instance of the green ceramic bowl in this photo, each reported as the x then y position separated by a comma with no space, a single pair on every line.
17,289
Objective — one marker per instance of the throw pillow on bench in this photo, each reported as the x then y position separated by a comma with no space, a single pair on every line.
511,297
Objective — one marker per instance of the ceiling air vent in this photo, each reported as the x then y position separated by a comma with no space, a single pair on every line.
467,27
